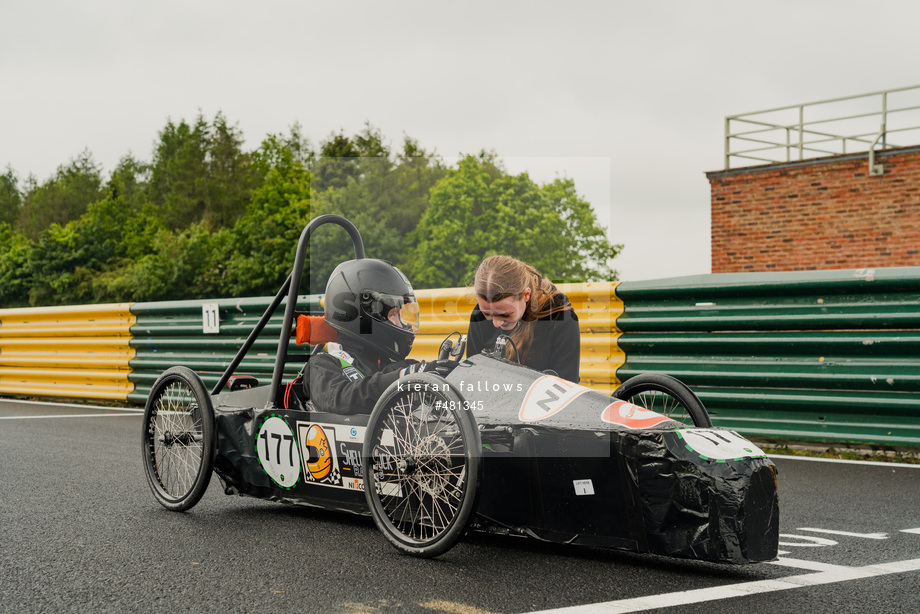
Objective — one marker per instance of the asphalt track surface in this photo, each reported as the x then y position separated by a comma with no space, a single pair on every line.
80,532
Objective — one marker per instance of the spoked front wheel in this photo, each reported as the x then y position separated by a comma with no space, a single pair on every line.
665,395
178,439
422,459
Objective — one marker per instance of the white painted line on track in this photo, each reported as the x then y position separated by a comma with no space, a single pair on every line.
917,531
112,415
804,541
112,411
742,589
74,405
846,533
845,461
801,564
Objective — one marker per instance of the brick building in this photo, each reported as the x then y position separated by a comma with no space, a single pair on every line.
825,213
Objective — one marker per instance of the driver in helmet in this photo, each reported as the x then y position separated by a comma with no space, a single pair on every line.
372,307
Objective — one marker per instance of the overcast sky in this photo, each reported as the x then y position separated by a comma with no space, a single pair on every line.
627,98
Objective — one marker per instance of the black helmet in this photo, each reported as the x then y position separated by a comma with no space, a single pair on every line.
361,297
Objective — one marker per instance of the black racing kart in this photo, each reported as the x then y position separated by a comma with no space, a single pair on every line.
494,446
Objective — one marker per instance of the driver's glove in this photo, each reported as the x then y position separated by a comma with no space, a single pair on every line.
440,367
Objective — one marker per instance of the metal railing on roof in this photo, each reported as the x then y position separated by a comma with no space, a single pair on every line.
839,126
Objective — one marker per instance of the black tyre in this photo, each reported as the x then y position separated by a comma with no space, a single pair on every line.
178,439
423,462
665,395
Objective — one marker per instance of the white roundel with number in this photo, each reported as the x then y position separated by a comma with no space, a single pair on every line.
719,445
277,450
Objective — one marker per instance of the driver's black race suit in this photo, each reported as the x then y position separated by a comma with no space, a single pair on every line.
345,382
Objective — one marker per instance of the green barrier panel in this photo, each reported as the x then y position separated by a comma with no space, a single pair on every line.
816,355
173,333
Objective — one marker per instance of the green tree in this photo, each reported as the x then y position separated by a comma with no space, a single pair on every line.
76,263
15,253
282,151
53,266
200,174
172,270
394,187
63,197
206,218
178,175
232,175
478,210
383,194
337,162
417,171
129,181
330,245
256,255
10,197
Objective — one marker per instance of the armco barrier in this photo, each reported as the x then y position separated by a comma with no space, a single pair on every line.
118,351
172,333
821,355
80,352
827,355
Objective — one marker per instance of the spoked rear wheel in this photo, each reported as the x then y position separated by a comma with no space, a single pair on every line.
422,459
178,439
665,395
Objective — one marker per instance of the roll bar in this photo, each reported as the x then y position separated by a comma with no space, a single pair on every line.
291,289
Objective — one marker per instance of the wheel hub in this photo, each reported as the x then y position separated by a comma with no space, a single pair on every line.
432,456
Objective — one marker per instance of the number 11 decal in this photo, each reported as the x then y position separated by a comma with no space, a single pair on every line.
719,445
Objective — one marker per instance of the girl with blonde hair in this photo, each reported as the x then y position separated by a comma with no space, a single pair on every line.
514,299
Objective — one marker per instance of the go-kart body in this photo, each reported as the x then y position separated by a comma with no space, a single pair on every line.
561,463
495,446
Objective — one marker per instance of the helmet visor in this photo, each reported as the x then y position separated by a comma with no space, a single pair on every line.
397,311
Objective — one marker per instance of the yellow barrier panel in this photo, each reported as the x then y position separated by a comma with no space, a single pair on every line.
447,310
112,320
78,351
110,352
78,383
